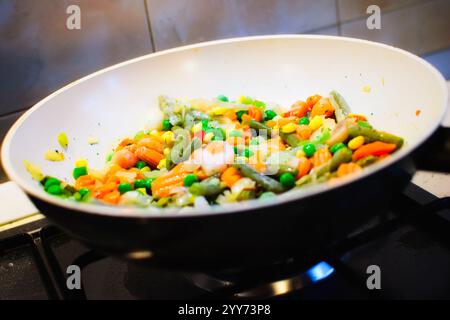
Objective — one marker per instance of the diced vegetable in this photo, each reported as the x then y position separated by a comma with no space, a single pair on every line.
264,181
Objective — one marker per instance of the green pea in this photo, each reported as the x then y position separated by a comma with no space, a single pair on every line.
248,153
269,115
166,125
79,171
205,124
109,157
83,191
190,179
309,149
240,113
50,182
287,180
235,133
223,98
236,151
55,190
336,147
125,187
303,120
143,183
140,164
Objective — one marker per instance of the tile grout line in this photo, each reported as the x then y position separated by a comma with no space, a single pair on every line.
338,18
149,25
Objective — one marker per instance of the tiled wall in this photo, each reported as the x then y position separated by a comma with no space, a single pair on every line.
39,55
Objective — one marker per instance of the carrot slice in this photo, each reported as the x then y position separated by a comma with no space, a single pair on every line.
322,107
163,185
112,197
376,148
150,156
151,143
230,176
348,168
298,109
304,165
321,156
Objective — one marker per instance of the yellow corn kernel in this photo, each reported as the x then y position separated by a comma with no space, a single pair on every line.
299,154
197,127
162,164
166,151
54,156
316,123
145,169
219,111
356,142
35,171
80,162
154,133
367,89
142,190
63,140
96,174
208,137
288,128
92,140
167,136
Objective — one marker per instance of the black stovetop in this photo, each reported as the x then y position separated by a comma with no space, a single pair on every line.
410,245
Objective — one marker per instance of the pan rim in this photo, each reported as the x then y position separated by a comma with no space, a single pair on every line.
251,205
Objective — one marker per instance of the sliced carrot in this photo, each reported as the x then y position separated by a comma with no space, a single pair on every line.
112,197
125,142
321,156
99,193
125,158
298,109
312,100
230,114
236,141
376,148
149,156
348,168
304,132
230,176
255,113
304,165
163,185
84,182
151,143
322,107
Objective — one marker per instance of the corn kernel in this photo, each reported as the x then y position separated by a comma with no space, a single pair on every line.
208,137
142,190
80,162
154,133
219,111
145,169
166,151
54,156
167,136
289,128
197,127
356,142
92,140
367,89
162,164
299,154
316,123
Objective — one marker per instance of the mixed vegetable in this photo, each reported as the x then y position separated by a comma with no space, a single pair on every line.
219,151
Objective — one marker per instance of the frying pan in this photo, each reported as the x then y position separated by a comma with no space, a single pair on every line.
407,97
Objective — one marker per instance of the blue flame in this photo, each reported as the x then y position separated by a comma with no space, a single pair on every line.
320,271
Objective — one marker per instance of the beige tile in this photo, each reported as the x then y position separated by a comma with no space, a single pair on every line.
38,54
180,22
420,29
351,9
5,123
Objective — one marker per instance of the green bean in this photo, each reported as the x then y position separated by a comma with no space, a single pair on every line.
264,181
341,156
259,126
208,187
364,162
341,108
371,135
291,139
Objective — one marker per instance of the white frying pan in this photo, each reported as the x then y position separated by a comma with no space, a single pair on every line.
402,94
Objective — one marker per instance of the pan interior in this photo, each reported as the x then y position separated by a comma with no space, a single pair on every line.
399,92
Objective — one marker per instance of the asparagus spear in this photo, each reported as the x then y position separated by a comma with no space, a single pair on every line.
341,108
208,187
371,135
264,181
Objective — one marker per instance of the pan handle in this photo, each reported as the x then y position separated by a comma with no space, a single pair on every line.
434,155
